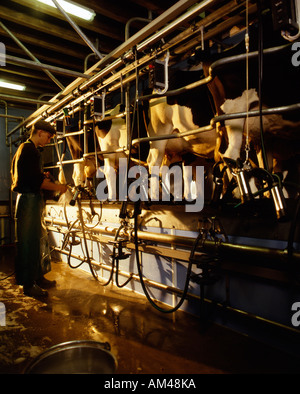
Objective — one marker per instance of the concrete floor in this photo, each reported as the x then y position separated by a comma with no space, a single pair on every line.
143,340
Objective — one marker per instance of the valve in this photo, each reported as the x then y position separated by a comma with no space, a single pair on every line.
73,241
119,245
208,263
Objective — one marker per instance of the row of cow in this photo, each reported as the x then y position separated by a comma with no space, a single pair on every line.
270,142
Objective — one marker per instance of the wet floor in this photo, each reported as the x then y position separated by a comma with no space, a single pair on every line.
143,340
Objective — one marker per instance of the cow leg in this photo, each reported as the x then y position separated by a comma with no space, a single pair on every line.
78,174
160,124
154,161
235,127
110,176
89,172
193,178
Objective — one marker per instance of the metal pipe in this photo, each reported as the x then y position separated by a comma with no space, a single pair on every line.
128,23
26,50
11,117
44,95
183,89
86,60
267,111
78,30
223,249
71,161
23,99
72,133
105,152
203,129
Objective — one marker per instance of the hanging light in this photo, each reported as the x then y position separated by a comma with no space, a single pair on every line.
14,86
74,9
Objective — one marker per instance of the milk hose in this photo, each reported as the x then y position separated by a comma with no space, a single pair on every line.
189,269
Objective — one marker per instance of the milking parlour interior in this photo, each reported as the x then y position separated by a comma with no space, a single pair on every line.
174,248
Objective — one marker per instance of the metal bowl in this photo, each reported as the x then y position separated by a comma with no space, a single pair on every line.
75,357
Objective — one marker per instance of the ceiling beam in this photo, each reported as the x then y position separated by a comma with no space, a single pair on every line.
43,26
43,57
154,5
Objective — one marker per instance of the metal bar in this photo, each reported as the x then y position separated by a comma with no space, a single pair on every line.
275,256
23,99
203,129
264,112
71,134
237,58
70,161
78,30
19,61
26,50
105,152
183,89
134,40
11,117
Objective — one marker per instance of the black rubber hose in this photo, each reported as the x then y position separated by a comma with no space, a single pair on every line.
189,269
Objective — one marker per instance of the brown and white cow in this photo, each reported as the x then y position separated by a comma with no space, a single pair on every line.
166,116
177,114
112,138
280,86
83,170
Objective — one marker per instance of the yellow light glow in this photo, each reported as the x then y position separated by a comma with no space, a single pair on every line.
73,9
13,86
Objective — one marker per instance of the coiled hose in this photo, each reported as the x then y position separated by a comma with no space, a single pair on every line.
189,270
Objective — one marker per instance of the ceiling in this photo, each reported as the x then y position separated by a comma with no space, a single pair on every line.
44,31
50,39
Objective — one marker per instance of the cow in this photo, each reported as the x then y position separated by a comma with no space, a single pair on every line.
166,115
85,167
277,83
83,170
112,138
177,114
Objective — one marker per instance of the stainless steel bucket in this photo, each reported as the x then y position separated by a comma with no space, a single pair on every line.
75,357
